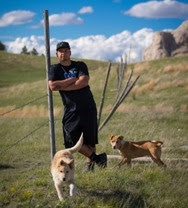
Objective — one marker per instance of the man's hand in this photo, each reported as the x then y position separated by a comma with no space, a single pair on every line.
80,83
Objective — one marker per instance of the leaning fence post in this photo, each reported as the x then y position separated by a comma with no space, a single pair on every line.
103,93
50,99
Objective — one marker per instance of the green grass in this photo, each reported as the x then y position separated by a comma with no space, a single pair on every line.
158,112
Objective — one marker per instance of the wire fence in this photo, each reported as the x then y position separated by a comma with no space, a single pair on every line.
25,137
21,187
3,152
21,106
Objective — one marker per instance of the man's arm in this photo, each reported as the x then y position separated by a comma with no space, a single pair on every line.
80,83
61,84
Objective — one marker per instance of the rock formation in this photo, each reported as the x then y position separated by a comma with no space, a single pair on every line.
166,44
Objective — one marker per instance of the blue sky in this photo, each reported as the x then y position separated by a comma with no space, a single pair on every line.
96,29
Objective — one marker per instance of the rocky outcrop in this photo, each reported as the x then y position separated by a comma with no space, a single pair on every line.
166,44
181,39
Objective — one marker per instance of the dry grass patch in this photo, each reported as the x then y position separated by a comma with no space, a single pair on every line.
123,108
184,108
163,108
126,108
158,108
176,68
186,84
172,84
28,111
139,68
107,109
18,89
148,86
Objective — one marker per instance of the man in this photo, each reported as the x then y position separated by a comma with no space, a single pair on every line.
71,79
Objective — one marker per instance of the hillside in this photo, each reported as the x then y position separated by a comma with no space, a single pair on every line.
163,84
156,109
21,68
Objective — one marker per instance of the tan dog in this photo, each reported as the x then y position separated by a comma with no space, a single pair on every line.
62,168
130,150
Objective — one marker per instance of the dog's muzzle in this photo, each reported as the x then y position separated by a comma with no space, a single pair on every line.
114,147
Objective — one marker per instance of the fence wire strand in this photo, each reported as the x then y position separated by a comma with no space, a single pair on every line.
21,106
18,141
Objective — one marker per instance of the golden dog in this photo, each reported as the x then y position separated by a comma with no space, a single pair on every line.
130,150
62,168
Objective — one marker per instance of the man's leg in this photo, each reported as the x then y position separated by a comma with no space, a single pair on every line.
92,157
86,151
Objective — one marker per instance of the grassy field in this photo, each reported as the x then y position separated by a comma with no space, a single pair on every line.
156,109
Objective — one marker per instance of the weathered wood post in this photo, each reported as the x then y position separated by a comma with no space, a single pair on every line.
121,94
49,92
103,94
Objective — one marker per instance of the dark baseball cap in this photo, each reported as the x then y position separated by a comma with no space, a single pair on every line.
62,45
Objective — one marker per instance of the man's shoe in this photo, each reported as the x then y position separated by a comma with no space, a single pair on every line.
102,160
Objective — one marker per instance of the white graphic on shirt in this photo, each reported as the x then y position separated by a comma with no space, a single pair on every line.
72,73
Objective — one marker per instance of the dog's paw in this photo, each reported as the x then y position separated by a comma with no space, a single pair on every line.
61,198
72,189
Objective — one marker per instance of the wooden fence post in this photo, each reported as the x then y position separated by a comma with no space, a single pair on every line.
49,92
103,94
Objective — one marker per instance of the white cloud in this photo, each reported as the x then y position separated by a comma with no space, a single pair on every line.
101,48
62,19
31,42
85,10
16,17
96,47
159,9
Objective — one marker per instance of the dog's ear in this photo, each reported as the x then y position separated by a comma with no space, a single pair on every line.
71,163
61,163
110,137
120,137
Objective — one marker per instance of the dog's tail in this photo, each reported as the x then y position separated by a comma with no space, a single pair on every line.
77,146
158,143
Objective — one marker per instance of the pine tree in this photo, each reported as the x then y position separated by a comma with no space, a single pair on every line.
34,52
24,50
2,47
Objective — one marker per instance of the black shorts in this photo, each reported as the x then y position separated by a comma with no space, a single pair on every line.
74,123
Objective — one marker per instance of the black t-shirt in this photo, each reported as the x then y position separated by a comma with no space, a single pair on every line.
74,100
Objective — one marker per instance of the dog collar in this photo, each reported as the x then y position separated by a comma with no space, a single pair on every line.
123,142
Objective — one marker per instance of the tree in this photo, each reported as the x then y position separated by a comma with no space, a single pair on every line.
2,47
34,52
24,50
